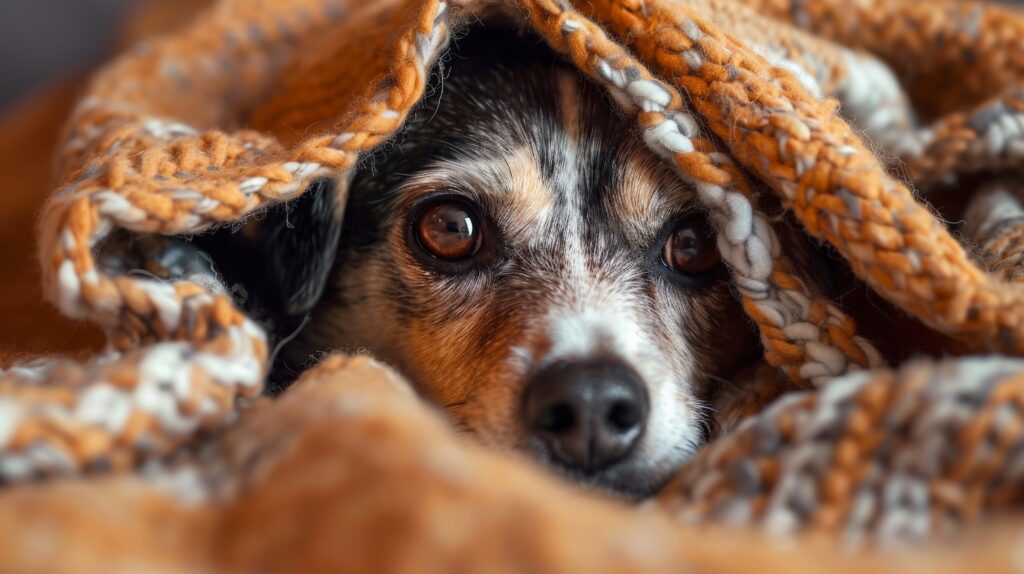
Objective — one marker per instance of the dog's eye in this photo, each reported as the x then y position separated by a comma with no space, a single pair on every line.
448,231
690,249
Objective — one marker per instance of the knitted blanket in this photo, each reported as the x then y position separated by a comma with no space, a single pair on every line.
160,453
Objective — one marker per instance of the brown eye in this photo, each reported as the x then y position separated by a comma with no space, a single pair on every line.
690,249
448,231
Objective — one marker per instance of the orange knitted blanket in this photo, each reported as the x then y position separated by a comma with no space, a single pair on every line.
160,453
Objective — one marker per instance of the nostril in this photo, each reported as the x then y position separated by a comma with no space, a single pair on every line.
587,415
556,419
624,416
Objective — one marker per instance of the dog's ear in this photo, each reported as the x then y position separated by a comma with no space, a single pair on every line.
300,241
277,265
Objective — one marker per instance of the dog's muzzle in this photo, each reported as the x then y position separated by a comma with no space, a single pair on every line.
589,414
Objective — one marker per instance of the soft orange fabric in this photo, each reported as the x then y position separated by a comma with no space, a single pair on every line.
348,473
29,132
252,101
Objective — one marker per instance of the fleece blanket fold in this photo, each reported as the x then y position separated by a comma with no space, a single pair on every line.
851,116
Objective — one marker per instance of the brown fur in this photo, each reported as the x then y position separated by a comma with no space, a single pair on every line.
580,209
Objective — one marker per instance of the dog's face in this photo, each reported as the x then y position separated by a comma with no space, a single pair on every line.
532,267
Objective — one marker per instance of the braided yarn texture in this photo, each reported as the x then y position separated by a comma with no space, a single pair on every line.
836,111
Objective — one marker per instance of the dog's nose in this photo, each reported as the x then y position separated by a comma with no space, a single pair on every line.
590,414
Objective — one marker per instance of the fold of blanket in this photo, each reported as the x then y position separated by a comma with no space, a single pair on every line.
842,114
28,136
293,488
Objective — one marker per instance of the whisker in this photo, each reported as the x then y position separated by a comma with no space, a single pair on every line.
720,380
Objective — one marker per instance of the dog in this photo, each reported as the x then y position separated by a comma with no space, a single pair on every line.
527,263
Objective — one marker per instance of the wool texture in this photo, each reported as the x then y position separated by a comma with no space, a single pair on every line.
846,115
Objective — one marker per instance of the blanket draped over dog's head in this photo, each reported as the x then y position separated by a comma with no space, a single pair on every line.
852,116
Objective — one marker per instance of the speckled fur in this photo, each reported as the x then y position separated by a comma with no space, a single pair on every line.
581,210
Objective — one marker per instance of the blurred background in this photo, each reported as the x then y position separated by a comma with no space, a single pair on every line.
39,39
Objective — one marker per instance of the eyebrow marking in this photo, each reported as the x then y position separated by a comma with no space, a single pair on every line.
647,195
508,185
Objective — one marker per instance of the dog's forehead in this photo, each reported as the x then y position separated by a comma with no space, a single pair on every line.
553,152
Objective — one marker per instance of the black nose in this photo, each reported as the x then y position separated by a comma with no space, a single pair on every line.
590,414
